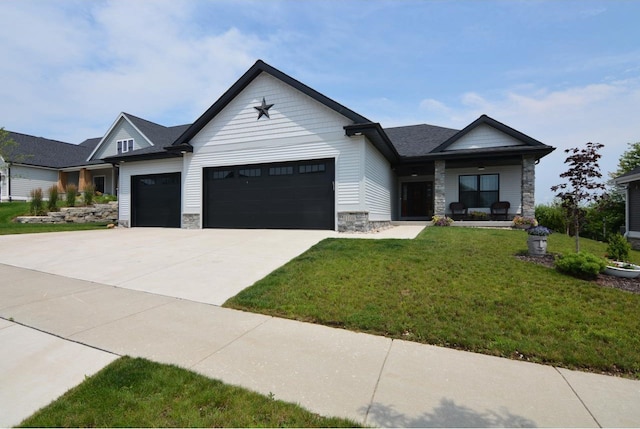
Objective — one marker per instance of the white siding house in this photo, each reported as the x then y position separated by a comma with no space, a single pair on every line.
272,152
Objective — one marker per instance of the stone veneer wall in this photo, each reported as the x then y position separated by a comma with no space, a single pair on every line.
359,222
528,186
191,220
96,213
634,242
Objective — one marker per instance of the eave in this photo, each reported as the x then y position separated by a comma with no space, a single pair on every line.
376,135
487,153
119,159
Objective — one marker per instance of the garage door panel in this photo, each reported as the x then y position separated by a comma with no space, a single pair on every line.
156,200
288,199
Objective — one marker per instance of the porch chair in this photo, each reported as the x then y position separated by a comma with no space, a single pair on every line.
500,209
458,210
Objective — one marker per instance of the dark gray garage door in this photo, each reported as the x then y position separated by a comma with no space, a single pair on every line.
155,200
294,195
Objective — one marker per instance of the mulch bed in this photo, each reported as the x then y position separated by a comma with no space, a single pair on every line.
629,285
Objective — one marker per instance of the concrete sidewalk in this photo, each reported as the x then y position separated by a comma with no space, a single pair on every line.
372,379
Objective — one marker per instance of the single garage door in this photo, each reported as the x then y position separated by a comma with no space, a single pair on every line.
293,195
155,200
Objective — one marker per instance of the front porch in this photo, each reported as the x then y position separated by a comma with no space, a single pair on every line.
103,177
430,187
462,223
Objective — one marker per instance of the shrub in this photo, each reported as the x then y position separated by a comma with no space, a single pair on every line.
52,205
441,221
477,215
523,222
36,205
618,248
88,194
582,265
72,193
553,216
104,198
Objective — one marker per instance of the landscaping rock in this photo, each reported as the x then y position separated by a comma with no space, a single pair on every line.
95,213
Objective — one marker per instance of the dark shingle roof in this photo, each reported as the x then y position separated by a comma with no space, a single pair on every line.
418,140
159,135
633,172
91,143
42,152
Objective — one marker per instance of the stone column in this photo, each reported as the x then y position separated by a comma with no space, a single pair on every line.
439,203
528,187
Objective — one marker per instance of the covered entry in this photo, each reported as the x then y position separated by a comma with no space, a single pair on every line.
155,200
288,195
417,199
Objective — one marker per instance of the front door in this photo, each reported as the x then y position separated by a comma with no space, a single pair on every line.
417,200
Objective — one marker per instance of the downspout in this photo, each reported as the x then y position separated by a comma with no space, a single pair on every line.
626,212
9,180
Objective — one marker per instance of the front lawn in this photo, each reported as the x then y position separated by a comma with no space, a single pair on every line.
461,288
8,211
139,393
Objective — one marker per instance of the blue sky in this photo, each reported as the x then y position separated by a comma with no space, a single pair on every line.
563,72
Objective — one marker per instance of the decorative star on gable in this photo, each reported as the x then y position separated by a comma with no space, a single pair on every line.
264,109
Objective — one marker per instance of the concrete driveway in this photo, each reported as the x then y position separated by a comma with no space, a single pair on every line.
209,265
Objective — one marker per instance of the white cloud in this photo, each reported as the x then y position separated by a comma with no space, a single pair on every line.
604,113
78,67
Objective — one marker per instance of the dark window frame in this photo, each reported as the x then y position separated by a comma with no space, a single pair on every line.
478,198
222,174
285,170
319,167
249,172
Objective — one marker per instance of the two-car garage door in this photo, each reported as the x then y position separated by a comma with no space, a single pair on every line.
292,195
297,195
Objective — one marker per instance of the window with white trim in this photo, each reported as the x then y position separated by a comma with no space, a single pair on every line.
124,146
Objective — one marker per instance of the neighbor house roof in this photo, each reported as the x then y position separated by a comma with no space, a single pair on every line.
630,176
42,152
158,135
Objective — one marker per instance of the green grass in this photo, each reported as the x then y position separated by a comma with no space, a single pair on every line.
139,393
460,288
8,211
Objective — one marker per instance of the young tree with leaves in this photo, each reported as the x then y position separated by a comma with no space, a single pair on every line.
7,145
629,160
583,183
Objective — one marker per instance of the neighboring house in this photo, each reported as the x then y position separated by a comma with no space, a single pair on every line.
274,153
41,163
37,162
631,182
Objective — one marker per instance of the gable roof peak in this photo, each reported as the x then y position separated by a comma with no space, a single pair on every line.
487,120
254,71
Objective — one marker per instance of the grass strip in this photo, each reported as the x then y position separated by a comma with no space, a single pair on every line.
461,288
139,393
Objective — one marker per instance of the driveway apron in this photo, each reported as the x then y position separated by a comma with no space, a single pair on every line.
209,265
